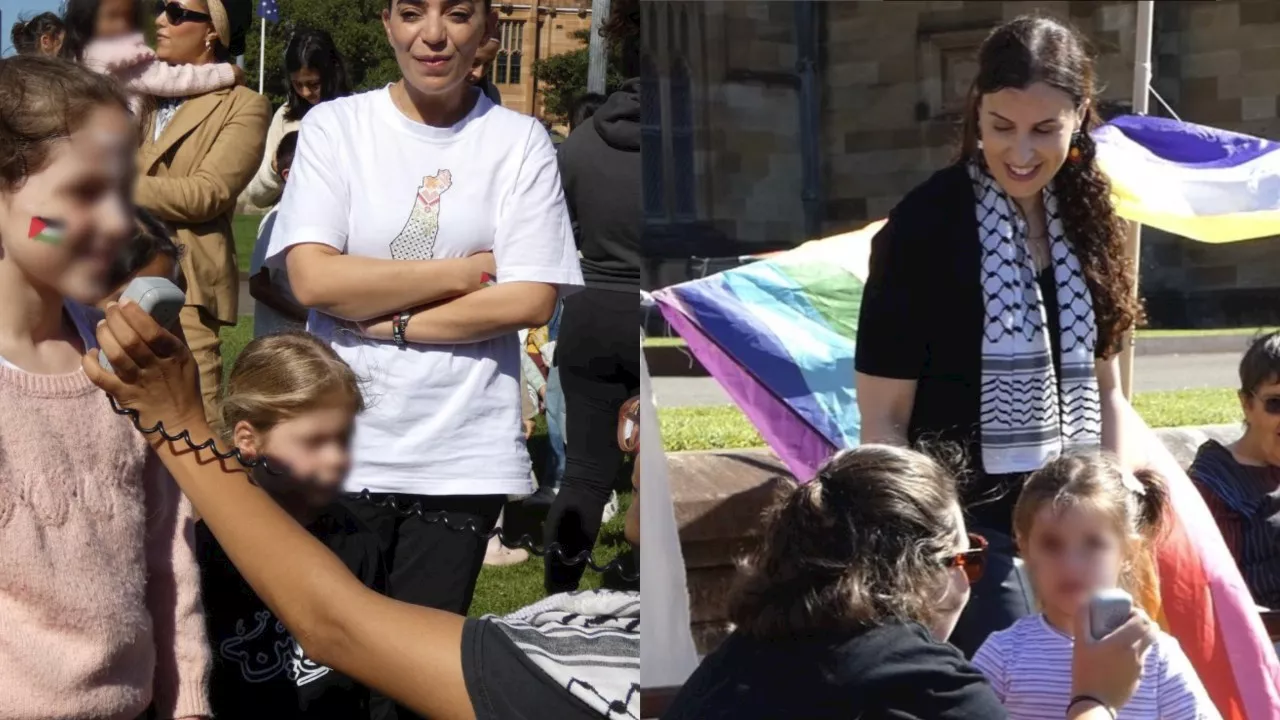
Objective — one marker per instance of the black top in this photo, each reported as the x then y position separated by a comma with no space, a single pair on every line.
921,319
259,671
893,671
600,168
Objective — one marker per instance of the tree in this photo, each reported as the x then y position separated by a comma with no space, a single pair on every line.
356,27
563,78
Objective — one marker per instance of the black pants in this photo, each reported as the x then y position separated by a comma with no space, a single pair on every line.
1002,596
427,563
598,353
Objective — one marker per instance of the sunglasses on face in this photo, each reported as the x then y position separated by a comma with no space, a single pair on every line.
973,561
1270,403
178,14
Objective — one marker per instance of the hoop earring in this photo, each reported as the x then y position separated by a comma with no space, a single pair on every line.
1074,153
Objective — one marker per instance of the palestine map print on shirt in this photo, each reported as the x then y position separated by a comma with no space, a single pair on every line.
417,241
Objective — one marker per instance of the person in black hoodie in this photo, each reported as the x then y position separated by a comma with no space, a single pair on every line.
598,350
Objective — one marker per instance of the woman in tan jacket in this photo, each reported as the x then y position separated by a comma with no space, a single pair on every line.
197,155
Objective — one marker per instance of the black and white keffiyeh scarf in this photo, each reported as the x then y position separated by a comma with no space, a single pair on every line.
1029,415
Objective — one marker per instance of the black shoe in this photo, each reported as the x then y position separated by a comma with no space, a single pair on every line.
541,498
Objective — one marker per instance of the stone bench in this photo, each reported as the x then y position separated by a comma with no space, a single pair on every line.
720,495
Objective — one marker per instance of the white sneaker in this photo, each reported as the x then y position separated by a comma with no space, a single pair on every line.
611,509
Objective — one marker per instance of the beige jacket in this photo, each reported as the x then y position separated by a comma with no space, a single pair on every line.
191,179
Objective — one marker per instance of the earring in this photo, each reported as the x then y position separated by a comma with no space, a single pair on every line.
979,143
208,44
1074,152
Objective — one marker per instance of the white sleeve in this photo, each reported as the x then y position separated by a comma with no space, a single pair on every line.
990,662
534,240
317,198
1180,693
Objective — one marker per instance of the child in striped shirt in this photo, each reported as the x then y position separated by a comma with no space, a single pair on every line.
1084,523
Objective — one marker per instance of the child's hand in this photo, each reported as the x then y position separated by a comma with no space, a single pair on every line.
529,426
154,371
1109,669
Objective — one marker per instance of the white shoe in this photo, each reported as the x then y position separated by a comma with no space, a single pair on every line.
611,509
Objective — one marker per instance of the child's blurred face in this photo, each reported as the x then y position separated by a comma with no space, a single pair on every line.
116,18
315,447
1071,553
65,224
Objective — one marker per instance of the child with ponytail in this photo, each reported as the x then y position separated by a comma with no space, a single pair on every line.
1083,523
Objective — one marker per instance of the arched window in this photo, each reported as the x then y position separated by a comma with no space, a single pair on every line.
686,209
506,66
655,192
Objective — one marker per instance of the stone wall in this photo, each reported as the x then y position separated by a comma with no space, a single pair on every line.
719,497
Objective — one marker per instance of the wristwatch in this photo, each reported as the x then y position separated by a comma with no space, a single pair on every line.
398,327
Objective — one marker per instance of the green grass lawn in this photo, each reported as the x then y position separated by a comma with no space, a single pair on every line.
725,427
499,590
245,230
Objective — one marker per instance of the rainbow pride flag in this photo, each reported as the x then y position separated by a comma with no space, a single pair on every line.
779,334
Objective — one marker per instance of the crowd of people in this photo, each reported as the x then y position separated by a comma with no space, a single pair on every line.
417,238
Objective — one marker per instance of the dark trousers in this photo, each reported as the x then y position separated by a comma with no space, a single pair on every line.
598,354
427,563
1000,597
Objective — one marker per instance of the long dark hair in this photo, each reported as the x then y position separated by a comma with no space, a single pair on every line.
81,19
316,50
861,544
26,34
1032,49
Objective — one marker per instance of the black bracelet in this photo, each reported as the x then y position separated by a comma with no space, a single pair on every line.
398,327
1089,698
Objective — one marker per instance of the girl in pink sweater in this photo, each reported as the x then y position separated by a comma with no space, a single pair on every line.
100,612
104,35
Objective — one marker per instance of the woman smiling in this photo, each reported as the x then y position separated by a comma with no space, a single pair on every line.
400,203
197,155
998,295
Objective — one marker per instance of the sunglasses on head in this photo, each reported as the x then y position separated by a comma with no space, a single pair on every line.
178,14
973,561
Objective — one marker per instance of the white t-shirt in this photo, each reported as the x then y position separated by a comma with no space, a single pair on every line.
441,419
1029,667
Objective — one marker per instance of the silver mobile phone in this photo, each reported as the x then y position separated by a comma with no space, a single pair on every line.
1108,610
159,297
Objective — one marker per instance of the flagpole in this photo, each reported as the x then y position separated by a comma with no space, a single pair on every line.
1141,94
262,55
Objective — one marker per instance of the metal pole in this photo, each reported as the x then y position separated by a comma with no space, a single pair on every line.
1141,93
597,53
262,55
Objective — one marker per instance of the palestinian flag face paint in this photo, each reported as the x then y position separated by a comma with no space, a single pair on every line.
46,231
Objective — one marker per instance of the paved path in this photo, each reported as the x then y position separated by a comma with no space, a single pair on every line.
1157,372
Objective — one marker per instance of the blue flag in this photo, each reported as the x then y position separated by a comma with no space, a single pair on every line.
269,10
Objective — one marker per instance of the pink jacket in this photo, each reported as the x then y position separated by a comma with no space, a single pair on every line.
129,60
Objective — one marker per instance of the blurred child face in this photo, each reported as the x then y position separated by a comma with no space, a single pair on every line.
116,18
1071,553
65,224
314,446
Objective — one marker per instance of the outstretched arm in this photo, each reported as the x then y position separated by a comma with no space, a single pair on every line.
409,653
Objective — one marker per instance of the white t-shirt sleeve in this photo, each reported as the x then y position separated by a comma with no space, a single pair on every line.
990,662
1180,693
534,239
317,197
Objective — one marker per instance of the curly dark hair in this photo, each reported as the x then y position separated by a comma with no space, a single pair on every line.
1031,49
863,543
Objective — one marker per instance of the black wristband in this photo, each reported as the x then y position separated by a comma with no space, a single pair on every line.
398,327
1089,698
